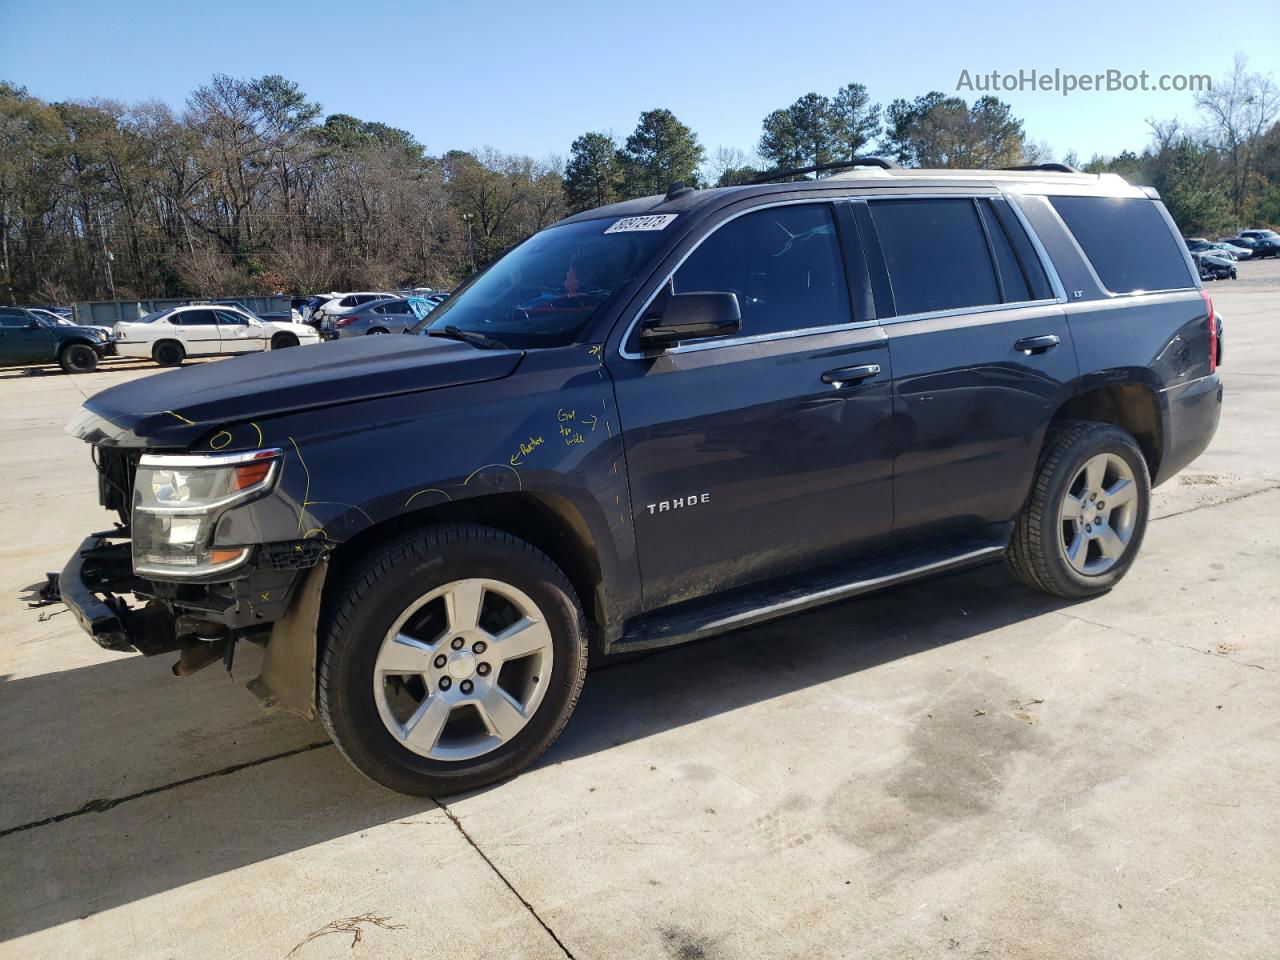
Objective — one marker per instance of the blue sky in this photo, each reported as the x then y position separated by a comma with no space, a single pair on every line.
529,77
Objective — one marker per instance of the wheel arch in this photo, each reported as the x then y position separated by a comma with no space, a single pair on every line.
1131,404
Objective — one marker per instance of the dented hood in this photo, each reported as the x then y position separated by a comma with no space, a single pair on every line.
177,408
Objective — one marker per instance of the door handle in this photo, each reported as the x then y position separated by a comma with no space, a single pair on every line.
1044,344
844,375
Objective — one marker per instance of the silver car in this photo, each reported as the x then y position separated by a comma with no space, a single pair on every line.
392,315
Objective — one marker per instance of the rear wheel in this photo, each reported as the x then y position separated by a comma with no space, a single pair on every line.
1083,524
78,358
376,330
453,659
168,353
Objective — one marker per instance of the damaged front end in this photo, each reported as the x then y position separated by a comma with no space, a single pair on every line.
196,550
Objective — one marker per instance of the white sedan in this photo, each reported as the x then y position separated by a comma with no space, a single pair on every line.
170,336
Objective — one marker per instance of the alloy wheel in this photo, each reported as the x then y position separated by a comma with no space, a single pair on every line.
463,669
1098,513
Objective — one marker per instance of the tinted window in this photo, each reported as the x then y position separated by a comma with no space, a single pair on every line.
1013,282
936,255
784,264
194,318
1127,241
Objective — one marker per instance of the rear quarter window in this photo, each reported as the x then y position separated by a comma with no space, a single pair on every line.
1128,242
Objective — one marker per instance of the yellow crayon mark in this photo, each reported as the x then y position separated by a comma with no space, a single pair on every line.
307,535
609,428
265,595
574,439
428,490
297,548
259,429
214,442
592,421
306,494
594,351
525,449
564,416
180,417
504,466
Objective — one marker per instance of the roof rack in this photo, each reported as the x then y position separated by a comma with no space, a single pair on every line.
881,162
1051,167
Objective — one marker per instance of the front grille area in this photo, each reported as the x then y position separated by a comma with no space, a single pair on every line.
117,468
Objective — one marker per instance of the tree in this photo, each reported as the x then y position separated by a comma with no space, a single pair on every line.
854,121
593,176
939,131
660,152
1240,108
1192,190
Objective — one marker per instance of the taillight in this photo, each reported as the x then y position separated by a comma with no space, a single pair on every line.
342,321
1213,332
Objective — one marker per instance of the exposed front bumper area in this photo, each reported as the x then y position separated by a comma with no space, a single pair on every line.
99,576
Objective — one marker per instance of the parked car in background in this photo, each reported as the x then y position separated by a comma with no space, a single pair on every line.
170,336
345,303
1201,245
1214,266
26,338
62,321
1263,243
60,311
396,315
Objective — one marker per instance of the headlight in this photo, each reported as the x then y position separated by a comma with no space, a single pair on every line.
177,501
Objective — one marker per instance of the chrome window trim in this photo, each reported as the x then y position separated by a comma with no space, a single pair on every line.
1046,263
970,311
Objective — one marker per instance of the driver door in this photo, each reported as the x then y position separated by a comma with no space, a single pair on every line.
21,342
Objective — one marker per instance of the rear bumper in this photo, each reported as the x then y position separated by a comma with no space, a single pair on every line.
1191,414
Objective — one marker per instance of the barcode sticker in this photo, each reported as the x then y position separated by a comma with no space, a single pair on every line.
656,221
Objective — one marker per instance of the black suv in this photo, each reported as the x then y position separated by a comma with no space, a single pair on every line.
650,423
27,339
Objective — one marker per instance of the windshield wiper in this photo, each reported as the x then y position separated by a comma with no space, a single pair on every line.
468,336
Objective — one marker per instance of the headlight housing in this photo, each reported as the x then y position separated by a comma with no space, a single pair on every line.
177,501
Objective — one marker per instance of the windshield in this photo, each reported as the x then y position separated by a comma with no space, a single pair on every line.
543,292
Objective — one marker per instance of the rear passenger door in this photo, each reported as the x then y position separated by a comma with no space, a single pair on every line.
982,356
198,332
744,462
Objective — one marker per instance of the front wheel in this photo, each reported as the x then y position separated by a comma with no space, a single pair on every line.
78,358
453,659
282,340
1083,523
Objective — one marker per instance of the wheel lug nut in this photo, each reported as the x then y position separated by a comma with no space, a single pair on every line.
480,646
440,661
1101,504
465,686
482,669
445,683
1088,528
457,643
1098,521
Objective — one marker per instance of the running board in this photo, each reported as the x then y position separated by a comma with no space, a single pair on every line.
745,607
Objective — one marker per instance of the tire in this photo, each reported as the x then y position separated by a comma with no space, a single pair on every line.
385,729
78,358
1057,546
282,340
169,353
375,330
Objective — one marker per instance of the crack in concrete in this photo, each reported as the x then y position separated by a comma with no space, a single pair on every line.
102,806
1155,640
492,866
1218,503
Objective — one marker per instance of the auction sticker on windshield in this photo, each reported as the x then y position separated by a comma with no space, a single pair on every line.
657,221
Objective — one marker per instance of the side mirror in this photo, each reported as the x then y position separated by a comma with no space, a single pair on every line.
691,316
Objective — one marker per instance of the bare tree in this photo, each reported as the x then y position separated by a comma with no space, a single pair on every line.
1240,108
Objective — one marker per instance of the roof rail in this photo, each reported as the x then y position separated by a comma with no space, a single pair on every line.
1051,167
881,162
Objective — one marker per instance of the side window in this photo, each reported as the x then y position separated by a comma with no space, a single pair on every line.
348,301
13,318
1032,269
1128,242
227,318
196,318
936,254
784,264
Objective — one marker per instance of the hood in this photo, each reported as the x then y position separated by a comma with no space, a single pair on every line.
175,409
